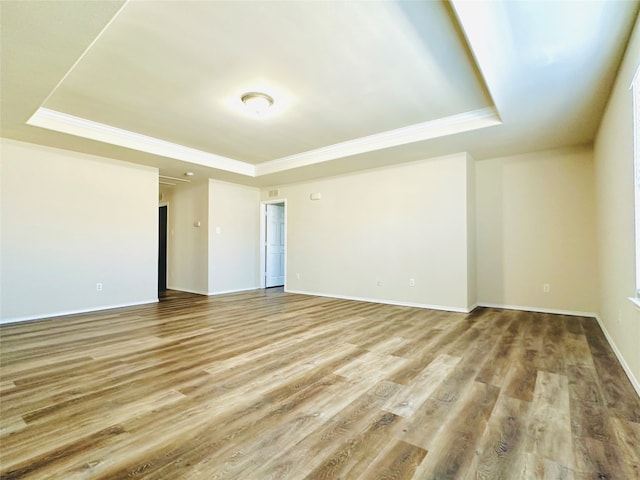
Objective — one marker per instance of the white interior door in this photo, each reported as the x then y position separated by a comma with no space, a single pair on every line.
274,245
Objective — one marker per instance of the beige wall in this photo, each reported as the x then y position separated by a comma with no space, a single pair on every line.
234,222
472,261
535,226
221,255
70,221
615,215
385,226
499,229
187,244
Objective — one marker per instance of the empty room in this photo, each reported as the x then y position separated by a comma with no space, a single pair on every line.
319,240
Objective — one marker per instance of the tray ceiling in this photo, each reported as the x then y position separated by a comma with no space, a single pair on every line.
160,82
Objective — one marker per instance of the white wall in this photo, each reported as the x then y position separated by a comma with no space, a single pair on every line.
385,225
536,225
615,214
234,228
188,244
69,221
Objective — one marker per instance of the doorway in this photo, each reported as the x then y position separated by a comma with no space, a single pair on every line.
162,250
273,253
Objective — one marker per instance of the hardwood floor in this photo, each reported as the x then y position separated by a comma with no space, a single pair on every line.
269,385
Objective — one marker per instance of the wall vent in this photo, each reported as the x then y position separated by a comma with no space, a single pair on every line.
274,193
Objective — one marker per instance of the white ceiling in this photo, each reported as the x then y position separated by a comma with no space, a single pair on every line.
356,84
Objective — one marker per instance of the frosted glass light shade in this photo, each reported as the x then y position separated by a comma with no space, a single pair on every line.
257,103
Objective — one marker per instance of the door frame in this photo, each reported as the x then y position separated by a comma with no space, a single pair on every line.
263,240
166,274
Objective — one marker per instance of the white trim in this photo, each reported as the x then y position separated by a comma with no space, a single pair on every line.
188,290
635,102
211,293
441,127
636,77
556,311
81,127
635,301
224,292
625,366
383,301
7,321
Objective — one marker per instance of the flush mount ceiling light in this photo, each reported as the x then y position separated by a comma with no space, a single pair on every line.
256,102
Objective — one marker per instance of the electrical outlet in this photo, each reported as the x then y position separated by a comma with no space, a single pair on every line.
546,288
412,282
98,287
297,276
379,283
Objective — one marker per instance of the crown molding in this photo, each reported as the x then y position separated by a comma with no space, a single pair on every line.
70,124
441,127
81,127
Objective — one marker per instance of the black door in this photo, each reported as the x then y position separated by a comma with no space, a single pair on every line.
162,250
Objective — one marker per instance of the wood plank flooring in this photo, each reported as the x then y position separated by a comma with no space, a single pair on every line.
269,385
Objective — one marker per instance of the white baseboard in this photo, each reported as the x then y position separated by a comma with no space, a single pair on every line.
28,318
473,307
188,290
385,302
556,311
224,292
625,366
202,292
